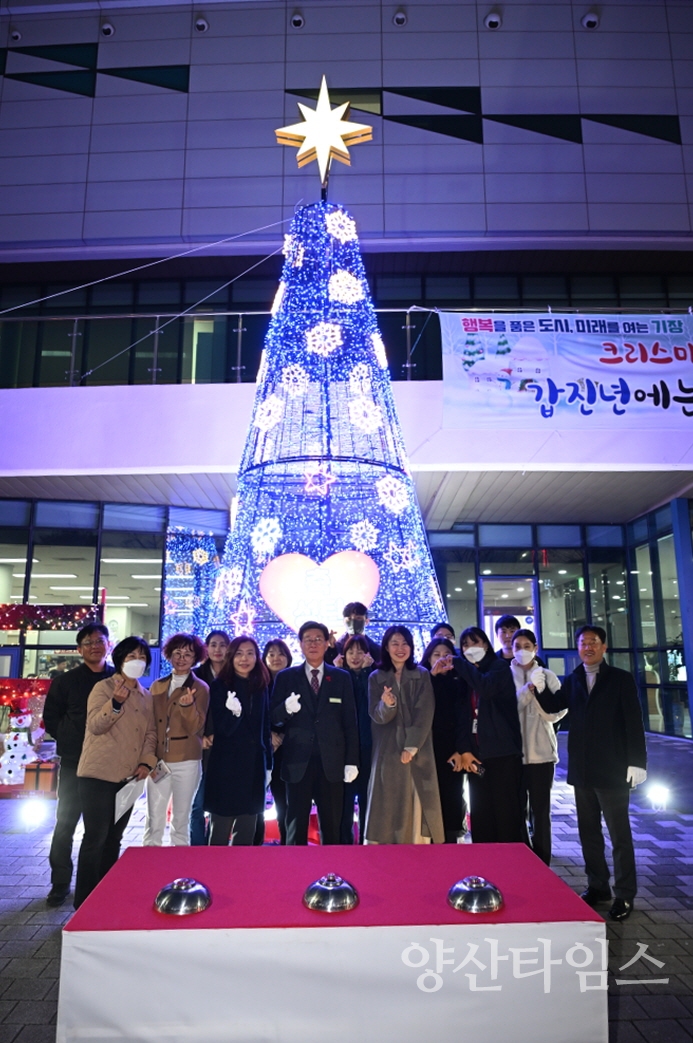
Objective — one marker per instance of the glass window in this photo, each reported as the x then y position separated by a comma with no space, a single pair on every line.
64,515
55,364
17,353
681,288
209,293
62,571
14,512
671,604
545,288
460,583
75,300
216,522
127,517
676,712
107,345
204,351
642,291
130,583
451,539
561,597
399,288
496,287
662,519
645,603
13,555
506,562
508,595
13,296
156,353
258,292
163,294
52,654
605,535
447,288
609,596
505,535
637,530
112,295
559,535
596,290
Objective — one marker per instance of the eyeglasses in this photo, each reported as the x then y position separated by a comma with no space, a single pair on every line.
182,653
589,644
99,642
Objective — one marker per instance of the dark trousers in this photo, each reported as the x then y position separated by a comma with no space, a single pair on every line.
199,827
278,791
357,790
496,803
101,842
242,827
328,796
591,804
538,780
67,815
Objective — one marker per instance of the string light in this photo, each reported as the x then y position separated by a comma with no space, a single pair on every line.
190,575
48,617
332,476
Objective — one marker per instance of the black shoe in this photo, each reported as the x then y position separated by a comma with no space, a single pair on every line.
57,896
621,909
593,896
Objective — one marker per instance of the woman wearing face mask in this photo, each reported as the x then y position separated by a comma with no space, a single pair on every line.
403,798
449,732
277,656
539,746
358,662
493,739
217,642
119,744
180,711
240,763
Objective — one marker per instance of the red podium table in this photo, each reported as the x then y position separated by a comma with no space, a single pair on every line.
257,966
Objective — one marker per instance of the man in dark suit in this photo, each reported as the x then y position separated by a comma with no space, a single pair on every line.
314,704
606,759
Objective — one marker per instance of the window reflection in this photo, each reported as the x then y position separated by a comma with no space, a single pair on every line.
642,583
608,594
561,596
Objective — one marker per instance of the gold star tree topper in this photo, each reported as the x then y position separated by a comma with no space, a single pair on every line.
324,134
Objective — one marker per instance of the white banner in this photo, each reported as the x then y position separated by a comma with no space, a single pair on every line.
567,372
487,981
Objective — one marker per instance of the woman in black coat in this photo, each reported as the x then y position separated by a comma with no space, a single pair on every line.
240,761
356,659
276,657
450,729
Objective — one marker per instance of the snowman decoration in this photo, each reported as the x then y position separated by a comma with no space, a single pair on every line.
18,750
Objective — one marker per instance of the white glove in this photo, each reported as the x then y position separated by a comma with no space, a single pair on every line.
538,678
350,772
233,703
293,703
635,776
268,779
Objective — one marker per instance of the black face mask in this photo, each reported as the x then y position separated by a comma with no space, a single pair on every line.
357,626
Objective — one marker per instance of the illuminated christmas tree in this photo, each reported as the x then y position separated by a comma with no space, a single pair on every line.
327,511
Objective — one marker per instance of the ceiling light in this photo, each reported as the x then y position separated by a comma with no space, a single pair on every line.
46,575
472,581
562,572
504,595
141,575
117,597
458,590
70,588
133,561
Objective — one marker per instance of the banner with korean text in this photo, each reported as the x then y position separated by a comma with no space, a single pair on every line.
567,372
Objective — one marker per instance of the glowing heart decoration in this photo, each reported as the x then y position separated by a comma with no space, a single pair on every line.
297,588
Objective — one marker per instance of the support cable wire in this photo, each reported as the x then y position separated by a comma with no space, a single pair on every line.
180,314
149,264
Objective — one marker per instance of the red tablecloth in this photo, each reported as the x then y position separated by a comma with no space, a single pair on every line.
263,887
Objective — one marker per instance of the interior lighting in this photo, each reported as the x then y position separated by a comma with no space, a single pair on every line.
33,811
658,795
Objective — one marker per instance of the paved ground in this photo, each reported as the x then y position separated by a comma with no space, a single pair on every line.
662,921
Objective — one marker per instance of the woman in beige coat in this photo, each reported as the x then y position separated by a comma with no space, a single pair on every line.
403,797
119,744
180,710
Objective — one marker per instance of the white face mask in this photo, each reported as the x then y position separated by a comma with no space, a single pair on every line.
524,656
475,653
134,668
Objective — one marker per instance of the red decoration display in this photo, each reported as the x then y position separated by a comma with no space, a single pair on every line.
48,617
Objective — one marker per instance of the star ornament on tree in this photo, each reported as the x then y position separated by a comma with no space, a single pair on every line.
324,134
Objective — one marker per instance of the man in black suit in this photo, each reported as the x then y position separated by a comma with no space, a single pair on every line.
606,759
314,704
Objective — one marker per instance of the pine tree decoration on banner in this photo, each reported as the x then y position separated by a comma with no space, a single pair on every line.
327,511
472,352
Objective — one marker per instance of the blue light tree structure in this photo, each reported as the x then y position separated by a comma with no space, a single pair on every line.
324,469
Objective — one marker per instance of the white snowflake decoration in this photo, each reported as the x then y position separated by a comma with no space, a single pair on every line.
295,380
379,349
364,535
365,414
360,379
318,479
269,413
293,251
265,536
402,558
278,298
200,556
345,288
341,226
228,584
392,494
243,619
324,338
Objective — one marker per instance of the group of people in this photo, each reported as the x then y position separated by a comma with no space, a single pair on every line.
353,723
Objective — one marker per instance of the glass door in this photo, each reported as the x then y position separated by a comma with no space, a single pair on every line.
507,595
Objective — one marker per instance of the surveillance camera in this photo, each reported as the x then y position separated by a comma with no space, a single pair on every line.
590,20
201,25
15,35
399,18
297,20
107,29
493,20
